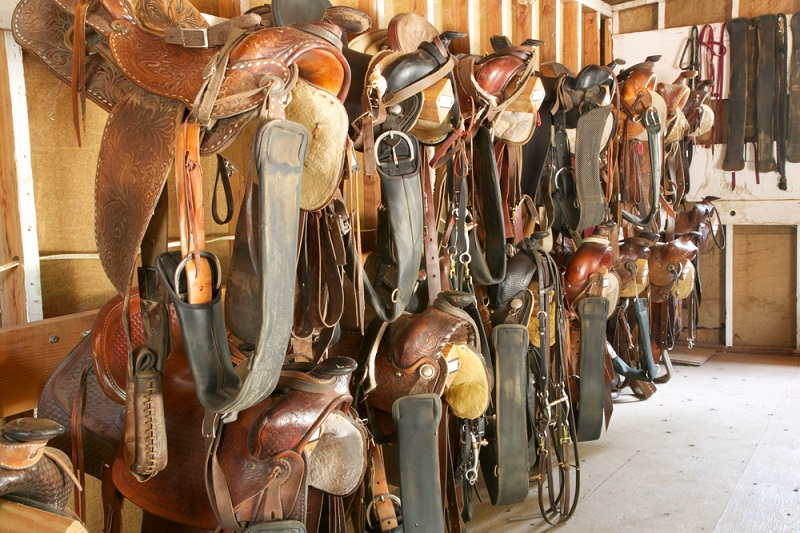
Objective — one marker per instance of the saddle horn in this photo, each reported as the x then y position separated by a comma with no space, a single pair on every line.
448,36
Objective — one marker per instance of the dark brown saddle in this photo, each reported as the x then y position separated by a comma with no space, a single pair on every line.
594,86
269,450
436,351
702,218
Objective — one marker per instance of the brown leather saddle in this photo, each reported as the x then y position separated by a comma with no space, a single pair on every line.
31,472
671,269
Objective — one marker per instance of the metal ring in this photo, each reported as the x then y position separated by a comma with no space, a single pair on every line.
380,498
182,266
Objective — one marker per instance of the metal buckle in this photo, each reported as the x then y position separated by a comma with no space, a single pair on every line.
391,134
187,37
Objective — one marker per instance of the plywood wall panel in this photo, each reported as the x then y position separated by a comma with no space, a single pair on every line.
764,286
691,12
711,315
755,8
642,18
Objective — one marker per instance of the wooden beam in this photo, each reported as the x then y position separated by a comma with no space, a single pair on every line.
548,30
759,212
632,4
597,5
29,353
590,54
797,288
571,36
662,14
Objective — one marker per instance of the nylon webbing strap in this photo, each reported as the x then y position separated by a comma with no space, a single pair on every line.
589,141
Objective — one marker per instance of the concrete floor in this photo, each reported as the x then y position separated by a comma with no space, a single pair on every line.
717,448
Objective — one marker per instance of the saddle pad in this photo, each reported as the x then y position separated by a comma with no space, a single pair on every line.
326,120
594,129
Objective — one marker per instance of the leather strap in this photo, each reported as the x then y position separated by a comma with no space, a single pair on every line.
399,168
593,311
737,95
487,258
765,93
505,461
381,500
793,125
433,271
417,420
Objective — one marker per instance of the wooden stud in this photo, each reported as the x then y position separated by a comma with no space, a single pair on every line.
20,288
454,16
31,352
521,22
548,18
729,285
590,54
662,14
571,36
797,287
489,22
607,41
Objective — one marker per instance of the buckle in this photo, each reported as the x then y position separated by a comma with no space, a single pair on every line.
187,37
391,135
